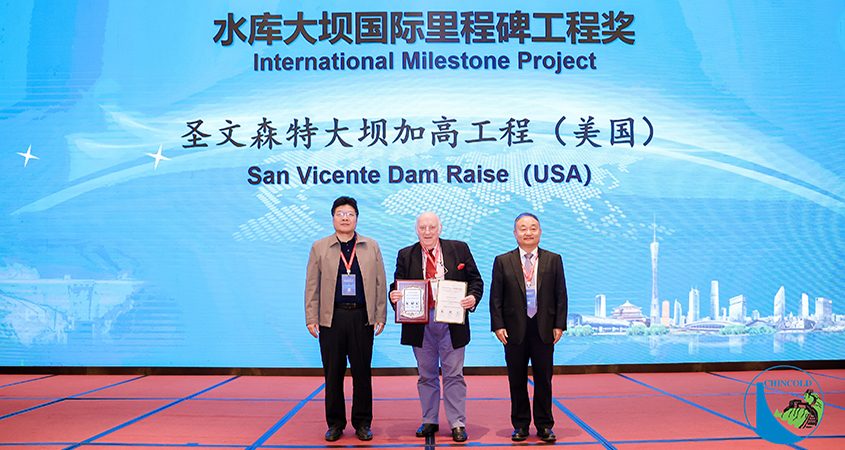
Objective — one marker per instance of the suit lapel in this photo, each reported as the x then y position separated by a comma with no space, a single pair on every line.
449,260
415,268
540,263
517,270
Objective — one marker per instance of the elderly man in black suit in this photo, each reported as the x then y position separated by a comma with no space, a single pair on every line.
528,314
439,347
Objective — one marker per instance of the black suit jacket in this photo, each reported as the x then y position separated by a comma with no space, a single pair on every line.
508,307
409,266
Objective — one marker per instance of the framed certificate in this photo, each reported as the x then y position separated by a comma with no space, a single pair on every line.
449,296
413,306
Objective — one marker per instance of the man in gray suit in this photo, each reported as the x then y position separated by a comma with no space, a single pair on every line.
345,306
528,305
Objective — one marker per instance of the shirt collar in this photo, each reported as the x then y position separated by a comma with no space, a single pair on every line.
522,253
436,248
355,238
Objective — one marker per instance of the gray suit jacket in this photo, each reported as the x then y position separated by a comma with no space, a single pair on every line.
321,278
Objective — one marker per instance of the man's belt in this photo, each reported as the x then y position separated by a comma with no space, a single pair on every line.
348,305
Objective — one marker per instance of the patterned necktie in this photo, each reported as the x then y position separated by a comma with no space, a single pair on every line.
528,272
430,273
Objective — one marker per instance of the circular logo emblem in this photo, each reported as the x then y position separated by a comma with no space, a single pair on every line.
784,404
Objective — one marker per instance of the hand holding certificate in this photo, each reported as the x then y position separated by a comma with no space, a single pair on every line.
449,296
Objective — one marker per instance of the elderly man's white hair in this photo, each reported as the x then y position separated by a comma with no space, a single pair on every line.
430,214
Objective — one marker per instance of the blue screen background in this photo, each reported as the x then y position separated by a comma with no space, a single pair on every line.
106,260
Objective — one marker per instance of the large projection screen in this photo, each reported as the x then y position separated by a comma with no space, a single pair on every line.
167,166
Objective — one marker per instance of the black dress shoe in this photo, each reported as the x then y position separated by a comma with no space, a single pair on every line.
519,434
364,433
333,433
427,429
459,434
546,435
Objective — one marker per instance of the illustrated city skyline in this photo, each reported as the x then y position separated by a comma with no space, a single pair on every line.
735,313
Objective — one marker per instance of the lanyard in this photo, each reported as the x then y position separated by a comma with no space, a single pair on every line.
348,264
433,259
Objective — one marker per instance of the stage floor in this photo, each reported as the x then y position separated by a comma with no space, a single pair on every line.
627,411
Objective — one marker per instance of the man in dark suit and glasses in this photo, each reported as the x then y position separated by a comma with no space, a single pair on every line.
528,314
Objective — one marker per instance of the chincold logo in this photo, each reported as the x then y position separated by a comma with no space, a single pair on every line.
784,404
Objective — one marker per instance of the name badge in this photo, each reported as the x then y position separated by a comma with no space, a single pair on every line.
531,298
347,285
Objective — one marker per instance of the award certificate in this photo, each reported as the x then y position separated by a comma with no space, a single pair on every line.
449,296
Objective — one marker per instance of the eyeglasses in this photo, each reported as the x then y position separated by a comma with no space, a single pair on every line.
344,214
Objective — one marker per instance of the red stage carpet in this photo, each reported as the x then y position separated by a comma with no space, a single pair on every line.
642,410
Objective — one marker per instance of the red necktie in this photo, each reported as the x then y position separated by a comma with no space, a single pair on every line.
430,273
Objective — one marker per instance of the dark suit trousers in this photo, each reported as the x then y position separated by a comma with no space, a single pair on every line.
542,359
348,337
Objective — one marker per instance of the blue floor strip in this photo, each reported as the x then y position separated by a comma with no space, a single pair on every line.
677,397
776,390
286,418
450,445
291,399
144,416
359,446
26,381
468,444
204,399
744,438
32,408
827,375
519,444
595,434
135,444
124,399
32,444
583,424
703,408
267,434
682,440
232,399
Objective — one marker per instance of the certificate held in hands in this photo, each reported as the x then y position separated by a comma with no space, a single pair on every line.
449,296
413,306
